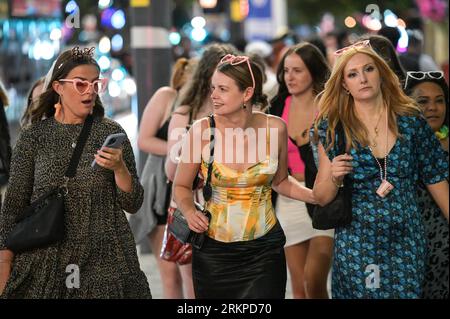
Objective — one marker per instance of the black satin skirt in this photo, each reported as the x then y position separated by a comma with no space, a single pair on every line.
254,269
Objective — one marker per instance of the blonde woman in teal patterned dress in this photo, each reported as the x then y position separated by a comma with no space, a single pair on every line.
390,148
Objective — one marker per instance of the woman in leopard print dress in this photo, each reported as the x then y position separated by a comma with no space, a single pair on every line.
430,91
97,258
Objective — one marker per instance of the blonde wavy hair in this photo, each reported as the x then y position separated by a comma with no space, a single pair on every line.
336,105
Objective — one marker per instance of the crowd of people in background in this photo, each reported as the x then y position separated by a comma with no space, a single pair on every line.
393,110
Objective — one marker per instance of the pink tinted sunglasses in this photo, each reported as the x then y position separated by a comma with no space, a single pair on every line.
82,86
238,59
357,45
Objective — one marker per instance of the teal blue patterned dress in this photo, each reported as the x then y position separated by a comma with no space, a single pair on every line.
382,253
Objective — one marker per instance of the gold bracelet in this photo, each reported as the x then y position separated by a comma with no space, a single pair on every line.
335,183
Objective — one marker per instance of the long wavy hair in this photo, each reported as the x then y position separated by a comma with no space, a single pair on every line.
199,86
335,105
65,63
316,64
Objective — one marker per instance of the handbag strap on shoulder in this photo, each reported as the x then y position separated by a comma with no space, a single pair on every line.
81,141
207,189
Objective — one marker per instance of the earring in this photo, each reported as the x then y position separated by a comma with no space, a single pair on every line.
92,110
347,92
58,107
244,106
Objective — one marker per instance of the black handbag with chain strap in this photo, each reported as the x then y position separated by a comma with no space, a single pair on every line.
179,226
42,223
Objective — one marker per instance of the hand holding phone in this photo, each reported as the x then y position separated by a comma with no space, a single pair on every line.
112,141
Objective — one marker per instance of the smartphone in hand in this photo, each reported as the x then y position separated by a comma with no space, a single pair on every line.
112,141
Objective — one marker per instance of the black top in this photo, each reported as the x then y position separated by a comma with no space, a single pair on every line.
307,156
163,131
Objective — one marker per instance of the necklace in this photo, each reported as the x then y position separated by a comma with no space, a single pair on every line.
385,187
374,143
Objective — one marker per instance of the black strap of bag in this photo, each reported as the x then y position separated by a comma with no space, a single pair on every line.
76,155
207,189
179,227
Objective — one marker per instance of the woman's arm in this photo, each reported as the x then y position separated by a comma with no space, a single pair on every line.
282,183
18,196
152,119
177,129
439,192
330,175
129,190
186,172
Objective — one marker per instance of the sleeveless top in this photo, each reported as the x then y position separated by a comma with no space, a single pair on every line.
295,162
241,206
163,131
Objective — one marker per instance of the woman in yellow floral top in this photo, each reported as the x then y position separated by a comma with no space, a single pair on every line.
242,255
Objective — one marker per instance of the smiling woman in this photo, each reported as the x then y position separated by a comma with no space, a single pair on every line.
242,255
97,241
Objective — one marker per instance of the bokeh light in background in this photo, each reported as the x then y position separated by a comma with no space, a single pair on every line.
174,38
118,19
72,6
103,4
208,4
350,22
104,62
117,42
104,45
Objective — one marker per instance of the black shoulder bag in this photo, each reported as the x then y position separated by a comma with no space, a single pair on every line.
179,227
42,223
338,213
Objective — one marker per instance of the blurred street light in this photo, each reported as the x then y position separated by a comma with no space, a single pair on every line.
208,4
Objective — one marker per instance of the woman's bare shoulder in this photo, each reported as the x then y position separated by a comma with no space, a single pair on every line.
274,121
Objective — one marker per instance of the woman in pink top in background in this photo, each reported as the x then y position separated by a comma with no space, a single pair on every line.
301,75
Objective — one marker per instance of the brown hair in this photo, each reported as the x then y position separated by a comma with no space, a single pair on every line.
240,73
65,63
335,105
26,117
315,62
181,71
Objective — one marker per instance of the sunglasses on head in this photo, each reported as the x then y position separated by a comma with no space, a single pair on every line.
82,86
238,59
357,45
420,75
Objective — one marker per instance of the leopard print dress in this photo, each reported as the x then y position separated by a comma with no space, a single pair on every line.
97,258
437,265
